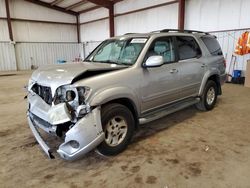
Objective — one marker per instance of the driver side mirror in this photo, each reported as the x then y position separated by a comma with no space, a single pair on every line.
154,61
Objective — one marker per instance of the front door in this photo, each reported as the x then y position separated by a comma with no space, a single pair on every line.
160,85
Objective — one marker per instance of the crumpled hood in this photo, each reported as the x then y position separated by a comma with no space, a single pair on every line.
62,74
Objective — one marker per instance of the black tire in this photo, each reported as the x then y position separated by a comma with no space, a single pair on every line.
111,112
203,105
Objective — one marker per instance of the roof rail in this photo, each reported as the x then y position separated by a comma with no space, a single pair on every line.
130,33
183,31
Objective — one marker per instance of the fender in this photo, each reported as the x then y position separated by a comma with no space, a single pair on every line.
114,93
211,72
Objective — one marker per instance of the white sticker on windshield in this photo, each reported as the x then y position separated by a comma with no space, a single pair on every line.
138,40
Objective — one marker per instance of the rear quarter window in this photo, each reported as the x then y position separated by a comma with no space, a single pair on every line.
212,45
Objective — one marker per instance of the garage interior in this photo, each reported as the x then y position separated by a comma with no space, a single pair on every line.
186,149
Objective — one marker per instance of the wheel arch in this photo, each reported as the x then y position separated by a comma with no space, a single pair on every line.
129,104
211,76
120,95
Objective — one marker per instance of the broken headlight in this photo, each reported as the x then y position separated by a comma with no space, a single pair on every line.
70,94
64,94
83,93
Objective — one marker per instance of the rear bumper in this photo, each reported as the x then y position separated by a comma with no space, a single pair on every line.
87,133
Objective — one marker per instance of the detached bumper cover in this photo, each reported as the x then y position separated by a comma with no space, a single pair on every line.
39,139
87,133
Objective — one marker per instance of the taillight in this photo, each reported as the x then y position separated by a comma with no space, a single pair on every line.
224,63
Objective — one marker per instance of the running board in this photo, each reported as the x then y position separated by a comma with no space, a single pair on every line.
167,110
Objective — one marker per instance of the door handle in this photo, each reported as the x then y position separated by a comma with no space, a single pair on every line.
173,71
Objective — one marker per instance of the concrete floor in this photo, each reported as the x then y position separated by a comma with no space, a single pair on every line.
186,149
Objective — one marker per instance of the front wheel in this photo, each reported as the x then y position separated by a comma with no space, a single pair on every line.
118,125
209,96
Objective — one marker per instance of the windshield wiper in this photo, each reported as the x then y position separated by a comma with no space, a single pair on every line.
108,61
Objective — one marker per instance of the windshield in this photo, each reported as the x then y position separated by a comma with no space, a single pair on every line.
118,51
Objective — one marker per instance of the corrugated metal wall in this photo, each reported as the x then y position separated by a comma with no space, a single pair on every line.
228,42
148,20
37,43
7,57
37,54
23,55
143,21
215,15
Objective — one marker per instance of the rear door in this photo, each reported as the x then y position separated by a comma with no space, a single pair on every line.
191,66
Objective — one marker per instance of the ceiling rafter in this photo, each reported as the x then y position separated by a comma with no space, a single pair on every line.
54,5
48,5
76,4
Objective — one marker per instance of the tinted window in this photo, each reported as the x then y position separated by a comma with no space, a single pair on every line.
188,47
163,47
212,45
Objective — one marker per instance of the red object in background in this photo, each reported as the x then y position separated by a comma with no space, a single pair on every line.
243,44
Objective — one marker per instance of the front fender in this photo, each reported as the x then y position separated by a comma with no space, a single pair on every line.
114,93
205,78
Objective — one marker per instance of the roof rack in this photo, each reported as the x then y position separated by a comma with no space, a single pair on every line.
183,31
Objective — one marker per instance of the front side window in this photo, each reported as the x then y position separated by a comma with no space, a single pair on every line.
118,51
187,47
163,47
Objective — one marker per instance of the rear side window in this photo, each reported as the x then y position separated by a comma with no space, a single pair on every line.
212,45
187,47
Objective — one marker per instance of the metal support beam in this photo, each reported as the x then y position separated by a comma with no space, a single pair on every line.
181,15
103,3
9,20
78,29
111,21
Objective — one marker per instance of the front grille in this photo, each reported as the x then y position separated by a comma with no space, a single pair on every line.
44,92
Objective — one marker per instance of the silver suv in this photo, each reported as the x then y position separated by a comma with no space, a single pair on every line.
126,81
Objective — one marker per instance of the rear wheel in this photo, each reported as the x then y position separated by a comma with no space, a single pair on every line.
209,96
118,125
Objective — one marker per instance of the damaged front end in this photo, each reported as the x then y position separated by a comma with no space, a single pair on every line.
63,112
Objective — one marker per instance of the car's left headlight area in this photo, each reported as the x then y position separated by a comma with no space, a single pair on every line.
74,97
67,94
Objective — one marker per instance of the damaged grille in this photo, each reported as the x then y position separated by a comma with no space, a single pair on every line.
44,92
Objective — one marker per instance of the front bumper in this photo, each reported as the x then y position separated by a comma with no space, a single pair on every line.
86,132
39,139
